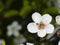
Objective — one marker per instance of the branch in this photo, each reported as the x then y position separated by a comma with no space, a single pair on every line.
52,35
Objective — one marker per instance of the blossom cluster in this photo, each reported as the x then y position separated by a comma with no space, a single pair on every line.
41,25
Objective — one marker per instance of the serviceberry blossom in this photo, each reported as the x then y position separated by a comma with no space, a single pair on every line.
21,44
41,24
20,39
29,44
57,20
13,29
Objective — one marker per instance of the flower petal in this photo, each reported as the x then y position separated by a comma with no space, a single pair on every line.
42,33
19,27
20,39
9,33
59,43
14,24
32,28
21,44
58,19
8,27
46,19
16,33
49,28
29,44
36,17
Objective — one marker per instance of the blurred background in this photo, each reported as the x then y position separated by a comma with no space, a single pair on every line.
21,11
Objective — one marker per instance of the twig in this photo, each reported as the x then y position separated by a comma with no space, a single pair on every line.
53,34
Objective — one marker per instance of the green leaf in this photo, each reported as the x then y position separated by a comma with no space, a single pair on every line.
51,10
34,5
8,3
25,2
30,37
1,6
10,13
25,10
44,1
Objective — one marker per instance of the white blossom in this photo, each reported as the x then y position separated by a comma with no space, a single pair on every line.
57,20
41,24
29,44
13,29
21,44
2,42
59,43
20,39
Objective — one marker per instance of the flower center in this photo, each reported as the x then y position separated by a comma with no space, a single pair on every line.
13,28
41,25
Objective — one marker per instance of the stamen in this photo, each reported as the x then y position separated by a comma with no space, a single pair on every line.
41,25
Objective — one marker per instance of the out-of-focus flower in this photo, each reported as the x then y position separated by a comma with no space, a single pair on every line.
41,24
28,44
58,19
20,39
59,43
2,42
13,29
21,44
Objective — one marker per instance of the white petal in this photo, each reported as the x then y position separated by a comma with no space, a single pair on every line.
46,19
16,33
58,19
49,28
9,33
19,27
59,43
20,39
42,33
8,27
36,17
29,44
32,28
14,24
21,44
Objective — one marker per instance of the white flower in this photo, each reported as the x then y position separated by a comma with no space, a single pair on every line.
28,44
2,42
20,39
58,19
21,44
41,24
59,43
13,29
